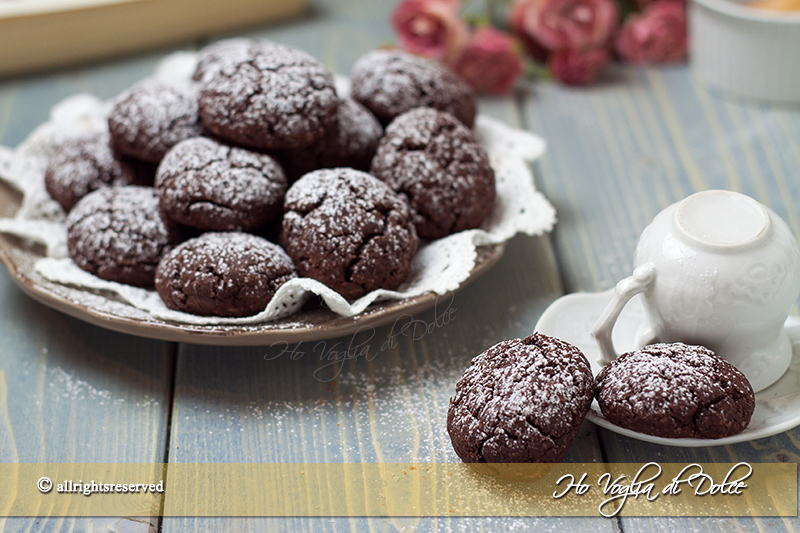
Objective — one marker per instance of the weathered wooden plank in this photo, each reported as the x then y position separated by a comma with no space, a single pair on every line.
71,392
390,408
622,151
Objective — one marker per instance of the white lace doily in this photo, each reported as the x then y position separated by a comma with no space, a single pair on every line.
440,266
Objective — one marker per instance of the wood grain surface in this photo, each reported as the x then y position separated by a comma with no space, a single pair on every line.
71,392
618,153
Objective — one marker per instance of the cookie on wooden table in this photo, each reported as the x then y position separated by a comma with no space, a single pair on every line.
439,165
520,401
207,185
84,163
391,82
268,96
675,391
152,117
118,234
229,274
349,231
352,143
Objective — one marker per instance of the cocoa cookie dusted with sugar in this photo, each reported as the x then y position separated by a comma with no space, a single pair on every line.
223,274
85,163
351,143
675,391
391,82
438,164
207,185
118,234
152,117
349,231
268,96
520,401
210,57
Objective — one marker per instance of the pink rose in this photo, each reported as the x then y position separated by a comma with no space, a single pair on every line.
559,24
656,35
575,67
430,28
490,62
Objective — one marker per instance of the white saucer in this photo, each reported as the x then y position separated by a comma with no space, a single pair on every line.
572,317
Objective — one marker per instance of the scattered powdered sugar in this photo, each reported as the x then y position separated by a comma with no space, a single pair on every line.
439,266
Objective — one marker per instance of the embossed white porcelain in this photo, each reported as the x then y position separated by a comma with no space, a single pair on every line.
717,269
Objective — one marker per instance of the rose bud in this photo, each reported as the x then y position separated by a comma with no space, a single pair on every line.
430,28
490,62
559,24
656,35
575,67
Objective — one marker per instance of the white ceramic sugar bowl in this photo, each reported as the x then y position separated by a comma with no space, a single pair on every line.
717,269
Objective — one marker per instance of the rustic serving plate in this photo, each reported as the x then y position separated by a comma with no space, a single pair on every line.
313,322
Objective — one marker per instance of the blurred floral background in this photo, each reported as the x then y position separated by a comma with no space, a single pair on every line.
493,43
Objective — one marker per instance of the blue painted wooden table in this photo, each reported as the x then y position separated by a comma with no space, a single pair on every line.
619,152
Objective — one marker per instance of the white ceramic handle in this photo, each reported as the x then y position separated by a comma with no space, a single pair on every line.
626,289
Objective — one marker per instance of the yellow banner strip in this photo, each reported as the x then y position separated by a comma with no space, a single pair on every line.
398,489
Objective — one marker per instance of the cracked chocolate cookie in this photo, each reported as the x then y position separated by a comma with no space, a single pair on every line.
436,162
520,401
391,82
351,143
210,57
267,96
349,231
207,185
675,391
152,117
118,234
85,163
223,274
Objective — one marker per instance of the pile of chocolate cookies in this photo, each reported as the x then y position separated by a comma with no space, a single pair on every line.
220,190
524,400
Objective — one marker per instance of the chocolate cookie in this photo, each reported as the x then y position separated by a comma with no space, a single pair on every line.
348,230
82,164
207,185
118,234
436,162
520,401
223,274
210,57
351,143
675,391
391,82
268,96
152,117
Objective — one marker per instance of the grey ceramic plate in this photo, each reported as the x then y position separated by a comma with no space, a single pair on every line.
308,325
